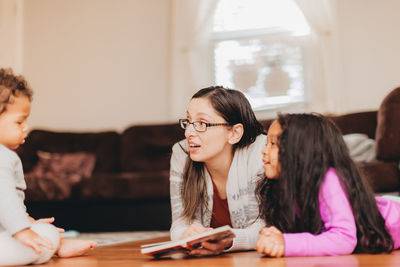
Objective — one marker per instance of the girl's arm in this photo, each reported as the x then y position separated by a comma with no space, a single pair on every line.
339,236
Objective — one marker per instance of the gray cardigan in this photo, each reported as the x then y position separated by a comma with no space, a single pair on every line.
13,216
245,171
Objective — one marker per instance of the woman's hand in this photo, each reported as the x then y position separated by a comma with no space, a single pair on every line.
194,229
207,248
31,239
212,248
270,242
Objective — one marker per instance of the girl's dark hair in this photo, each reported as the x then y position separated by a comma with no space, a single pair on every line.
12,85
233,106
309,145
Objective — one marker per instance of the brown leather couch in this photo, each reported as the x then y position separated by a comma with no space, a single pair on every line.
129,185
384,126
128,188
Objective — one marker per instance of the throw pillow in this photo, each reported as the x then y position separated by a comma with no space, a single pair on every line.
70,166
361,148
388,129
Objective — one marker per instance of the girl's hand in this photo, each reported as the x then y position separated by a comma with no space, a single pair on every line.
270,242
194,229
212,248
31,239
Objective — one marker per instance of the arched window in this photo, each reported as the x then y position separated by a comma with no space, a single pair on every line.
259,48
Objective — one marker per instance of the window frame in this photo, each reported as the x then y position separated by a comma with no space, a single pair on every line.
280,33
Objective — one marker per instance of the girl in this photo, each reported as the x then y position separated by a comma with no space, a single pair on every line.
314,199
23,240
214,171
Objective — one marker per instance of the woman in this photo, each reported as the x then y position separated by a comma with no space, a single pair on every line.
214,171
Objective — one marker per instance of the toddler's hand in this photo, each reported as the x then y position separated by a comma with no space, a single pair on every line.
49,220
31,239
44,220
270,242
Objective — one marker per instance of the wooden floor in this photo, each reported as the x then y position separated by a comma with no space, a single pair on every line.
128,254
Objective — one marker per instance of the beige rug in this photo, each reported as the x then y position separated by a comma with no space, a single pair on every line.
111,238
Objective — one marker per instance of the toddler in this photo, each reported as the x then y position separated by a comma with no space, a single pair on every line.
28,241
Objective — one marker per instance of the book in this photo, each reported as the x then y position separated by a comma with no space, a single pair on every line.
184,246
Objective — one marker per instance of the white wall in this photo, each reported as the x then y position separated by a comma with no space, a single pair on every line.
11,34
97,64
369,53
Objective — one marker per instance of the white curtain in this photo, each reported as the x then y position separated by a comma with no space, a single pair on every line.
320,15
192,56
190,51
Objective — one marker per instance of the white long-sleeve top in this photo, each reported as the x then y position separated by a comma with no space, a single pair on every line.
13,215
245,171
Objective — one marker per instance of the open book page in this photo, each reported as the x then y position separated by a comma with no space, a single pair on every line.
185,245
154,244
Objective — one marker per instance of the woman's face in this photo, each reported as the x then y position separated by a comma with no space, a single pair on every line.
214,142
270,152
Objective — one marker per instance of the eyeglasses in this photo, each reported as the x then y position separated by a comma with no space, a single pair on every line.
199,126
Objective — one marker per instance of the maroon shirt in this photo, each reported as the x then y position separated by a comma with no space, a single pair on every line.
220,213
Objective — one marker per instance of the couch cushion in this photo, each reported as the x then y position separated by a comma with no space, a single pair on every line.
388,128
382,176
48,188
72,166
104,145
148,147
128,185
359,122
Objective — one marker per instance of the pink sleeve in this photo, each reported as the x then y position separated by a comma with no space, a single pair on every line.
339,236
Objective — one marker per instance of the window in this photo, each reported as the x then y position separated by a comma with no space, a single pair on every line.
259,48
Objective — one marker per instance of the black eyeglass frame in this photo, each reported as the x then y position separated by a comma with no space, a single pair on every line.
185,122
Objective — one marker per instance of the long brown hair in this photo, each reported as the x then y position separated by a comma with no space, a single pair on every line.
233,106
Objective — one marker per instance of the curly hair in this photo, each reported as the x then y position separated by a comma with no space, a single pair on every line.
309,145
12,85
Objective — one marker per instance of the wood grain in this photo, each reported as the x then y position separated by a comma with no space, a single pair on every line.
128,254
